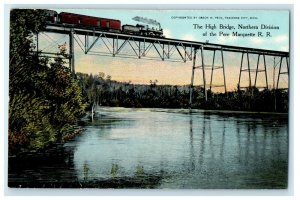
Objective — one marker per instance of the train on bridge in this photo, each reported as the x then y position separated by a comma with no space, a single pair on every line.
102,24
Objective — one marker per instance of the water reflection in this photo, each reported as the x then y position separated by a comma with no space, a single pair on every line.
140,171
86,171
223,142
192,151
114,170
262,150
154,148
259,141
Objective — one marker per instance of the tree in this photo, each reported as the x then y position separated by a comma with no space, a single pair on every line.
44,97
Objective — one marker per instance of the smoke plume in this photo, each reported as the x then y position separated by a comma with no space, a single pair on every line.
146,20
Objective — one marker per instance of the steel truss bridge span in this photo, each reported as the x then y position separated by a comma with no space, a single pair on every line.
166,49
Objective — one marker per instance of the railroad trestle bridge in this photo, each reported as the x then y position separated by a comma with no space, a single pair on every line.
167,49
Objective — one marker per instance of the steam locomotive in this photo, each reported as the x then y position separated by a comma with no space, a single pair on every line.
103,24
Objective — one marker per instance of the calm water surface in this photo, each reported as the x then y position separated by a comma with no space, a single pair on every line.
161,148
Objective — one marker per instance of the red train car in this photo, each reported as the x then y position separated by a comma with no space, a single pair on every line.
69,18
83,20
90,21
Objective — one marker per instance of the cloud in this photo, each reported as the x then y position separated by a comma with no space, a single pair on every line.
189,37
284,48
167,33
226,40
279,43
281,39
256,40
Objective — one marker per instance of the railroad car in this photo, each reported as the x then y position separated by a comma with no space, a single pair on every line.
98,23
83,20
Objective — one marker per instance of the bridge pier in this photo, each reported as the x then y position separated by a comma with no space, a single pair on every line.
192,79
203,72
71,52
214,67
249,70
261,70
245,70
284,72
203,67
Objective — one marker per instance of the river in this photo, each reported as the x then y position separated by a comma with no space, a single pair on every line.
165,148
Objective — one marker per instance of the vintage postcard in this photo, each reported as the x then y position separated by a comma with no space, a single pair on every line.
179,99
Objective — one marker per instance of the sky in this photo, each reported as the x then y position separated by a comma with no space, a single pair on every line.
180,24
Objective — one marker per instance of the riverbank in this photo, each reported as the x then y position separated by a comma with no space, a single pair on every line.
193,110
46,151
72,135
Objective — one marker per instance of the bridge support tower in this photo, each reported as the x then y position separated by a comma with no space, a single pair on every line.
199,55
250,70
280,72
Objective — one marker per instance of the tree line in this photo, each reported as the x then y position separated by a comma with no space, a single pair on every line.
101,90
